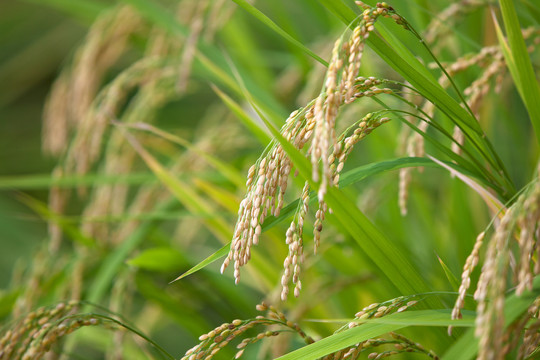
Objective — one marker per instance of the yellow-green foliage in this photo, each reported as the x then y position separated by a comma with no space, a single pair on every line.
378,161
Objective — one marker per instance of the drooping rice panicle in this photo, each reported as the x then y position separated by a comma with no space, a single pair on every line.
517,229
315,123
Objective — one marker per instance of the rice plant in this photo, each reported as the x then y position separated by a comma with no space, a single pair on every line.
274,180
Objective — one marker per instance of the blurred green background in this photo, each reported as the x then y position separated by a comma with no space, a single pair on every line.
35,41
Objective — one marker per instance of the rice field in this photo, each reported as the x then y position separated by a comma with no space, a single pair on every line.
220,179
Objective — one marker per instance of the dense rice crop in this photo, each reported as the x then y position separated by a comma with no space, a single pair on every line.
271,179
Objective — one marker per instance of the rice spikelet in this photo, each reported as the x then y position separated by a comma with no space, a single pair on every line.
518,229
267,179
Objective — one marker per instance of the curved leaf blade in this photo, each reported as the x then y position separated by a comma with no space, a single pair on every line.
377,327
209,260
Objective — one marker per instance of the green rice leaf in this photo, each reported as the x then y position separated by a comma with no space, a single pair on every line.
360,173
219,195
508,56
430,89
151,215
209,260
521,67
404,53
375,328
452,279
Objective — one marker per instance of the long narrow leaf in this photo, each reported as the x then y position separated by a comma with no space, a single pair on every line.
376,328
452,279
209,260
524,75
